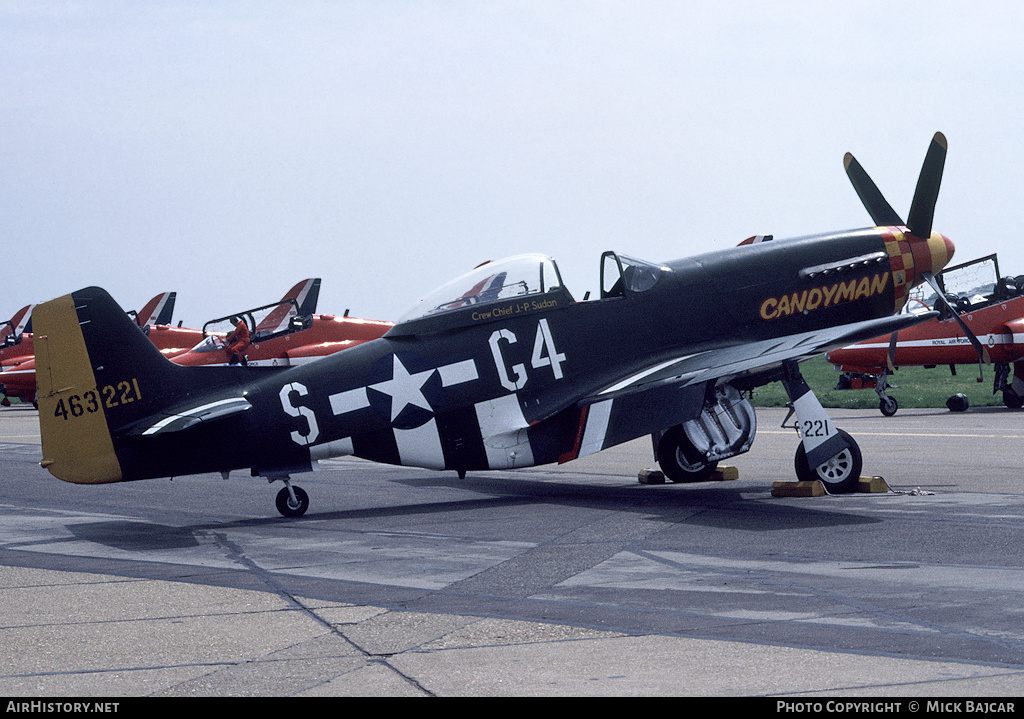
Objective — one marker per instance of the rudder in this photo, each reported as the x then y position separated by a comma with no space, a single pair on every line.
96,372
76,442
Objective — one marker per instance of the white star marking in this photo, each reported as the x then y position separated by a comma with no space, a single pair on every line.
405,388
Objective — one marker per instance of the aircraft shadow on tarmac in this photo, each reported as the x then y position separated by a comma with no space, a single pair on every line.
134,536
710,505
718,507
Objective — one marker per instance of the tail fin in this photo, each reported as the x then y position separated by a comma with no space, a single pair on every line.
96,373
20,323
305,294
158,311
76,442
113,408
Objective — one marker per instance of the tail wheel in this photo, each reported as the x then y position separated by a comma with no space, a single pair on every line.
292,507
680,460
840,474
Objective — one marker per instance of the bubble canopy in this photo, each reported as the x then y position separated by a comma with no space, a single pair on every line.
520,277
530,280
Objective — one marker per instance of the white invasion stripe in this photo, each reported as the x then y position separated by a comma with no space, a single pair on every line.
458,373
420,446
504,431
639,376
598,416
192,413
349,401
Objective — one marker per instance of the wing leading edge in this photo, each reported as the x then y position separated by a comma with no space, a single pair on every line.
737,359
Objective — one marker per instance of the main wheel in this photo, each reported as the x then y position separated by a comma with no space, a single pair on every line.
887,405
290,508
1012,400
680,460
840,474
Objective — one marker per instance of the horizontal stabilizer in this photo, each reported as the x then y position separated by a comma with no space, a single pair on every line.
176,420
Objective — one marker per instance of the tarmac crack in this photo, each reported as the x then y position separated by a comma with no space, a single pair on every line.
235,554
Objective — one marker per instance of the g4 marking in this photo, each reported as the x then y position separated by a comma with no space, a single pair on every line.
93,400
544,355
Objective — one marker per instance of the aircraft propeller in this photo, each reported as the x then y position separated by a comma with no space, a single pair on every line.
919,223
880,210
922,209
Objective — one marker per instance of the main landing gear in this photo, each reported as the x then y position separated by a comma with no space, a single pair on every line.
826,453
690,452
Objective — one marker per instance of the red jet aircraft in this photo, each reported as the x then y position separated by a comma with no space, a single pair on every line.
282,334
981,321
174,342
16,338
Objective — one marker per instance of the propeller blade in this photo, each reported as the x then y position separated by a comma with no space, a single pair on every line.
922,210
891,357
982,351
880,210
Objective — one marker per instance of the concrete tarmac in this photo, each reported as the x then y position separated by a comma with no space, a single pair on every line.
68,633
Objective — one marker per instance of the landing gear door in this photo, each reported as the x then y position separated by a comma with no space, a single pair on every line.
814,425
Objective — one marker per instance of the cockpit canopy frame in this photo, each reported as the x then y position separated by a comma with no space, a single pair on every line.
491,291
622,275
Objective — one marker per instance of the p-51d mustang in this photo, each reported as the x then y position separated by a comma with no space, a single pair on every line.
502,368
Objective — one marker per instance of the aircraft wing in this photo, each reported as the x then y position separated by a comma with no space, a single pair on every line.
672,391
737,359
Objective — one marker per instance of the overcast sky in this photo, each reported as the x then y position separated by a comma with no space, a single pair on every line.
226,150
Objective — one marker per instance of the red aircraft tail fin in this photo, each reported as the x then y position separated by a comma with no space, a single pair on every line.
158,311
305,294
20,323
